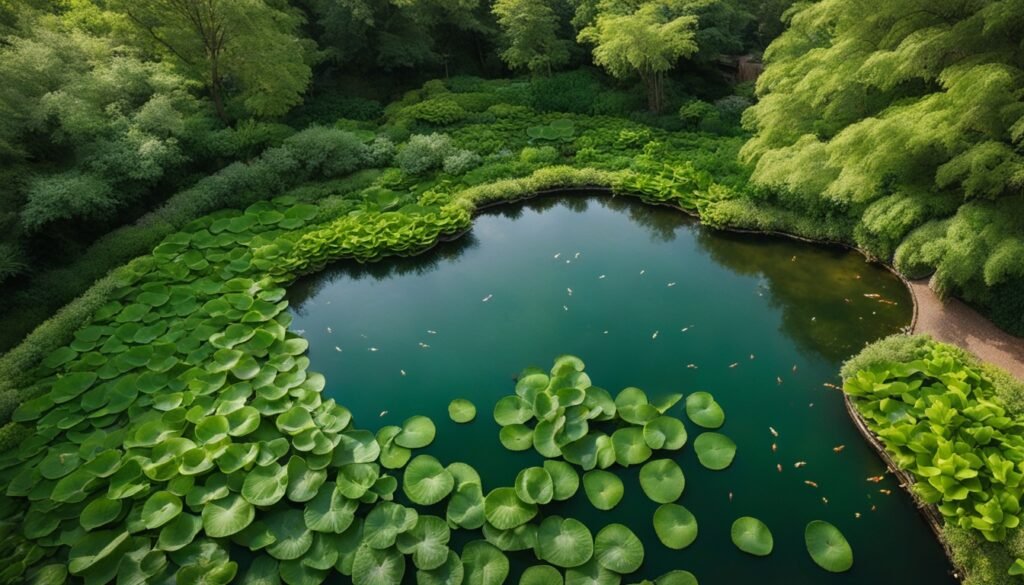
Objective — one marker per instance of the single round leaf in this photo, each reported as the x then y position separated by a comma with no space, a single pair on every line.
704,411
461,410
564,542
417,432
714,450
535,486
484,564
541,575
618,549
426,481
504,509
752,536
662,480
604,489
828,547
675,526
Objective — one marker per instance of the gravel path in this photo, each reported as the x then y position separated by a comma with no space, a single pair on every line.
954,322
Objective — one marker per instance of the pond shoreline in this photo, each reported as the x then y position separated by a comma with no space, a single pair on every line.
929,512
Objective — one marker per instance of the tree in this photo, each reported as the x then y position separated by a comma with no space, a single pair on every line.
531,35
249,44
647,40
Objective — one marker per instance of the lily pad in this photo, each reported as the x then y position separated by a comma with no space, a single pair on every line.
504,509
714,450
704,411
541,575
535,486
604,489
426,481
512,410
378,566
630,447
516,437
675,526
427,542
752,536
828,547
417,432
564,479
461,410
618,549
564,542
676,578
662,480
484,564
450,573
665,432
227,516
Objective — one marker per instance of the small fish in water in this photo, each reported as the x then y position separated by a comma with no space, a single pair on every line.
779,467
814,318
734,364
730,496
799,464
874,508
401,372
569,290
793,259
568,261
811,483
687,328
831,385
692,366
363,335
565,307
888,302
431,331
601,277
557,254
876,478
773,431
576,255
856,515
857,276
751,356
487,298
642,272
794,368
775,448
873,295
810,405
605,332
372,349
655,336
671,284
337,349
383,412
839,448
424,345
329,330
824,500
778,380
885,491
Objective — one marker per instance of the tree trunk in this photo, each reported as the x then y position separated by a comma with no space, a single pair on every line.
653,81
215,90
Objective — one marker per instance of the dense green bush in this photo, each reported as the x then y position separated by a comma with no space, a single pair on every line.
65,196
461,161
572,91
424,152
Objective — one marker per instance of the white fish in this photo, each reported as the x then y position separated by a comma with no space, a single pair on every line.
606,332
569,290
383,412
424,345
773,431
601,277
557,255
363,335
329,330
373,349
431,331
568,261
642,272
577,255
814,318
402,372
685,329
751,356
488,297
655,336
565,307
671,284
337,349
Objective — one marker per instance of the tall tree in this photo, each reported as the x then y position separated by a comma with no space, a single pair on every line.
646,40
251,46
530,29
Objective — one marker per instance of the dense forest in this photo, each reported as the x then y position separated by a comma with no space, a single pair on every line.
133,133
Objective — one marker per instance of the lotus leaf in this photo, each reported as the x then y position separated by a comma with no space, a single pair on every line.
828,547
504,509
604,489
617,549
426,481
461,410
662,480
675,526
714,450
752,536
704,411
564,542
484,564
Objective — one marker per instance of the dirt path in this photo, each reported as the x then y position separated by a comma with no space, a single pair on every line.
954,322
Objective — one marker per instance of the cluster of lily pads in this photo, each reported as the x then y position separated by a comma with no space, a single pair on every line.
940,419
561,129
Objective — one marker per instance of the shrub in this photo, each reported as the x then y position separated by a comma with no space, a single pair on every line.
695,112
326,107
439,111
327,152
424,152
461,161
538,155
572,91
246,140
64,196
380,152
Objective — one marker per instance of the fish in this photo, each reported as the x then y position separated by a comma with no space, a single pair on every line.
831,385
873,295
778,380
568,261
773,431
824,500
810,405
565,307
839,448
685,329
885,491
383,412
751,356
692,366
730,496
775,448
642,272
655,336
424,345
557,255
814,318
799,464
487,298
337,349
606,332
876,478
576,255
811,483
794,368
372,349
856,515
431,331
846,300
402,372
734,364
329,330
569,290
671,284
793,259
874,508
779,467
601,277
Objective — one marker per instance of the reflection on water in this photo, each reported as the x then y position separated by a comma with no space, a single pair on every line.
647,297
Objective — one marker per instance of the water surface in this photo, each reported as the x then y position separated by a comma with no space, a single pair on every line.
762,323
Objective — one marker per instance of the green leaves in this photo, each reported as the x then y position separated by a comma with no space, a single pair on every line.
675,526
704,411
504,509
828,547
604,489
752,536
461,410
159,509
564,542
662,480
227,516
617,549
417,432
426,481
714,450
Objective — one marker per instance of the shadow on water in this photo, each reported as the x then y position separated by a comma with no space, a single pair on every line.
649,298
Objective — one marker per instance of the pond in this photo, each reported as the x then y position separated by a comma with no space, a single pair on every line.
648,298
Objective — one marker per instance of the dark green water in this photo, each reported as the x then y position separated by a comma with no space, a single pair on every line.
798,309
